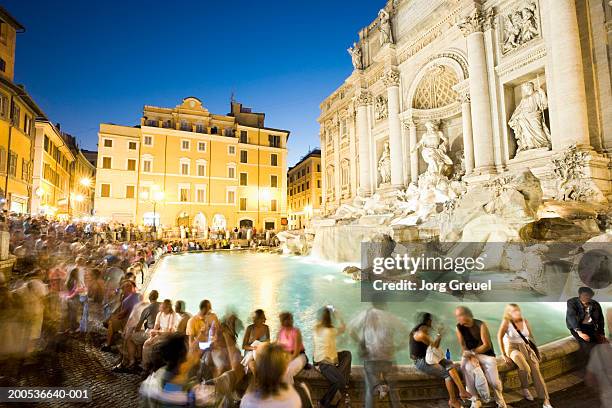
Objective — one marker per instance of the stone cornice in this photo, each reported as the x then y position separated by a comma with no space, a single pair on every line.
363,98
522,60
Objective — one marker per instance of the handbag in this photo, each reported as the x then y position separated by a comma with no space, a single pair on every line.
433,355
528,342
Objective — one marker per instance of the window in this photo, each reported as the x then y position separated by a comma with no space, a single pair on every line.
307,185
201,170
244,156
183,194
131,164
25,169
4,105
200,128
16,115
273,205
104,190
185,169
132,145
185,126
231,150
274,159
106,162
108,142
274,140
27,124
231,172
214,130
231,197
244,136
243,203
185,145
273,181
148,140
318,168
201,146
129,191
201,194
318,183
147,166
243,179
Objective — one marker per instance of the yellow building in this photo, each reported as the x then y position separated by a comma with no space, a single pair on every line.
187,166
304,190
83,185
53,170
17,115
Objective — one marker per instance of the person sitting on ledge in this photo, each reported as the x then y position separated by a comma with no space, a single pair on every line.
254,335
420,341
478,362
118,319
585,320
290,338
268,390
516,332
334,366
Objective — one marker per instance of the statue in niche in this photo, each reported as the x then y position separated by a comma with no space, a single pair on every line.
384,165
520,26
435,148
386,35
527,121
356,56
380,108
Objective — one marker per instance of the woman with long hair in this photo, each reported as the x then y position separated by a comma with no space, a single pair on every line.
515,338
420,340
290,338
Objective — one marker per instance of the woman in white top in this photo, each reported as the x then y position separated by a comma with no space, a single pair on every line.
514,348
334,366
166,322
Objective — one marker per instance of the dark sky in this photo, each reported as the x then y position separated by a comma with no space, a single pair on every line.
87,62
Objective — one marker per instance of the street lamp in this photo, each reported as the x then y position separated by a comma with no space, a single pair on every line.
85,182
154,197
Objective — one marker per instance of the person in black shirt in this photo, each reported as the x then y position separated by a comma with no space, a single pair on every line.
420,340
585,320
478,357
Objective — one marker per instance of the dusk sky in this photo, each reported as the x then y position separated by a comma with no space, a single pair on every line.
86,63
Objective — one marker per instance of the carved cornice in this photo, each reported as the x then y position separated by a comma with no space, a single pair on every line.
363,98
477,21
391,78
521,61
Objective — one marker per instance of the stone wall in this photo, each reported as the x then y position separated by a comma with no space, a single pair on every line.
558,358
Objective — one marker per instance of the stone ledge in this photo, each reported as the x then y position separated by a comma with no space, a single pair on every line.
558,358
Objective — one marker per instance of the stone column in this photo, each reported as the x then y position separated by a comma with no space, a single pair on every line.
414,155
468,143
364,98
569,88
391,81
472,28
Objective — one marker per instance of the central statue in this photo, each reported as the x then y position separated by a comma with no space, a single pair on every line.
435,148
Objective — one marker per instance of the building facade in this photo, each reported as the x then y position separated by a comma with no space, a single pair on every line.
510,84
17,116
187,166
83,186
304,190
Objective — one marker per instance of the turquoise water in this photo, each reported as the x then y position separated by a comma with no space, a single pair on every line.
244,281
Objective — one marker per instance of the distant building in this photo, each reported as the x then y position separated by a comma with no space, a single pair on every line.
304,190
187,166
17,115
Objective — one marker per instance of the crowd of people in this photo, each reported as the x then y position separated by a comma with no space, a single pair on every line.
70,280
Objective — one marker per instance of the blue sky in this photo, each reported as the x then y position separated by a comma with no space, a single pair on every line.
91,62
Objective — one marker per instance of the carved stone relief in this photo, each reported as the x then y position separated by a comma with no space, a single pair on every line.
380,108
520,25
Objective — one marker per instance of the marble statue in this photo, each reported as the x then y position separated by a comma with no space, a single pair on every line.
350,210
520,26
386,35
380,108
356,56
384,165
527,121
435,147
573,183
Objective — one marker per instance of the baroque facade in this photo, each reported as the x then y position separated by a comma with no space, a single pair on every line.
495,85
187,166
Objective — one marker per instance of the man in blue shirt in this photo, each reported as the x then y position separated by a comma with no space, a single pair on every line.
118,319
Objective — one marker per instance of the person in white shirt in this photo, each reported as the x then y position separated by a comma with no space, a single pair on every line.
166,322
513,337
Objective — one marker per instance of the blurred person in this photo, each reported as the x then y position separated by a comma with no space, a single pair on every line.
290,338
585,320
478,359
255,334
334,366
516,331
598,374
379,335
180,309
72,303
119,318
268,390
201,326
420,340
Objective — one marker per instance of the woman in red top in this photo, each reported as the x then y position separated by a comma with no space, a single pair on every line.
290,339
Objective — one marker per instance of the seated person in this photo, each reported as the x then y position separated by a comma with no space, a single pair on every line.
118,319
